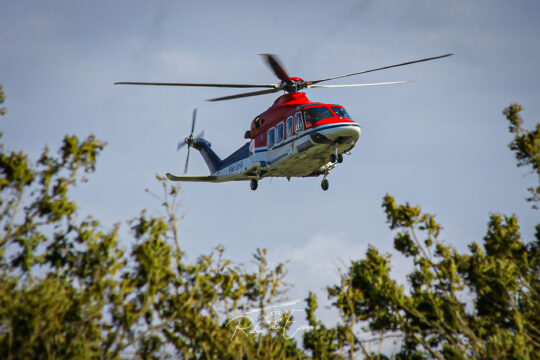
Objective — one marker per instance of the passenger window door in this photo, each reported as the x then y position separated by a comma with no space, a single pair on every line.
279,133
289,126
298,123
271,138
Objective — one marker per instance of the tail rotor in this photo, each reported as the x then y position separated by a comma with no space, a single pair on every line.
189,140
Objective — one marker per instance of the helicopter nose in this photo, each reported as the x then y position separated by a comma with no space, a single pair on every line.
342,134
350,131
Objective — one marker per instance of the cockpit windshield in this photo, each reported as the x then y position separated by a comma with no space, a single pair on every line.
341,112
314,114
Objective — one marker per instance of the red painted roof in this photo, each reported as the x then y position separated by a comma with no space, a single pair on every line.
281,107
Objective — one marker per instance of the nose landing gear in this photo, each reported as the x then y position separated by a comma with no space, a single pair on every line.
253,184
336,157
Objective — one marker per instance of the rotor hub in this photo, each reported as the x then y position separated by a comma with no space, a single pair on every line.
293,84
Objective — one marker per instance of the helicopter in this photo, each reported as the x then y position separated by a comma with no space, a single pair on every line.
294,137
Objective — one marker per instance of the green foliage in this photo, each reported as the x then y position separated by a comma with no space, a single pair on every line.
483,304
323,342
69,290
526,145
3,110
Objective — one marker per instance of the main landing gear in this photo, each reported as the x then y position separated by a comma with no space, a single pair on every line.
325,184
253,184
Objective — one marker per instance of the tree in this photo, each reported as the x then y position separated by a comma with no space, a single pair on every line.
68,289
3,110
526,145
484,304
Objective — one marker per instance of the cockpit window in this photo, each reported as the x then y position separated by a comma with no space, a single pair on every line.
312,115
341,112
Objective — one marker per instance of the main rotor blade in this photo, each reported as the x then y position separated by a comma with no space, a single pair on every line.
355,85
377,69
198,84
193,121
187,160
237,96
279,70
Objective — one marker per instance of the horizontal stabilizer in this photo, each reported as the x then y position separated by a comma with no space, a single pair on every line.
192,178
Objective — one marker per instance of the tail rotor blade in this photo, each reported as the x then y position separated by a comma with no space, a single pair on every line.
200,135
187,160
180,145
190,139
193,121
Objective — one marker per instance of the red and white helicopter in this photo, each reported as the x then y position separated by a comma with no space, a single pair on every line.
295,137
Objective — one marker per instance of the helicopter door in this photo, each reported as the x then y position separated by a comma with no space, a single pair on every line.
298,123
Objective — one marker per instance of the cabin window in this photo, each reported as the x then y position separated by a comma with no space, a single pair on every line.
341,112
298,124
289,126
271,137
314,114
279,133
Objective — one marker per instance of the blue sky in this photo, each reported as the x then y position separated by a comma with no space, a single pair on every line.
440,142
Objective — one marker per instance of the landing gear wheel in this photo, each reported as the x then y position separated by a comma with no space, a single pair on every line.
340,158
333,158
325,184
253,184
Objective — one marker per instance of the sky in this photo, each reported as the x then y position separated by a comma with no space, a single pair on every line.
440,142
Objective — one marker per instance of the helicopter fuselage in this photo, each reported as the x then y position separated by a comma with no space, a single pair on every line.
295,137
